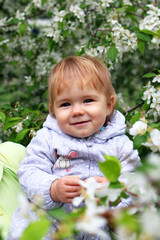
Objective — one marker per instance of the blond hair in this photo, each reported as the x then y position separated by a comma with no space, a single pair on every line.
85,70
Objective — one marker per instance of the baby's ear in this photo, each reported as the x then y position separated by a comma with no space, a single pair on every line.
111,104
51,110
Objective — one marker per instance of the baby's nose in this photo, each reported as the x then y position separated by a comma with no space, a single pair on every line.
77,110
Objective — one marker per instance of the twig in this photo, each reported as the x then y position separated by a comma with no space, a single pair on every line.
140,16
1,4
138,4
156,3
89,27
134,108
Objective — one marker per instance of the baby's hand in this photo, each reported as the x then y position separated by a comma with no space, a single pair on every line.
99,179
65,189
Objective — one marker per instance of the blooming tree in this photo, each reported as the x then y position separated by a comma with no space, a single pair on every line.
36,34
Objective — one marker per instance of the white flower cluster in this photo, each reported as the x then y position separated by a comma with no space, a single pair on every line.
19,15
37,3
127,2
152,95
91,221
139,127
59,16
106,3
152,22
52,29
78,12
124,40
154,141
18,127
28,81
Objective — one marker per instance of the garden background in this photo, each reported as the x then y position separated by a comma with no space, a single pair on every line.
35,35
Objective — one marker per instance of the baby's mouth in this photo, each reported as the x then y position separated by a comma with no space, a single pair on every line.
80,122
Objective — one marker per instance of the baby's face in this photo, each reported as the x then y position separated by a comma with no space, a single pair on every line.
81,112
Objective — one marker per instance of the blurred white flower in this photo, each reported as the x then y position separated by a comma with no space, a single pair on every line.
59,16
137,184
20,16
147,95
78,12
138,127
18,127
150,223
28,80
91,221
37,3
154,160
92,52
156,79
106,3
154,141
127,2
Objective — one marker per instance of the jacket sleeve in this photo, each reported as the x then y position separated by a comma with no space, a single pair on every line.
129,159
35,171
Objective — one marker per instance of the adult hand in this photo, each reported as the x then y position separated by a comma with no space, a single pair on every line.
65,189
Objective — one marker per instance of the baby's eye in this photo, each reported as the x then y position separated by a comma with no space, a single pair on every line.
88,100
66,104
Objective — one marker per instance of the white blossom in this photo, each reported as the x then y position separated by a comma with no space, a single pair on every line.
156,79
152,22
137,184
20,16
91,221
37,3
154,140
124,40
154,160
32,133
92,52
4,42
106,3
59,16
28,80
78,12
147,95
150,220
127,2
138,127
18,127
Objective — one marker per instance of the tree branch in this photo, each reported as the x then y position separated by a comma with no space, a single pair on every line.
89,26
134,108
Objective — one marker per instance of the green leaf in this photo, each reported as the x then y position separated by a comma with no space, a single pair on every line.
36,230
43,2
138,140
2,117
22,28
115,185
14,119
143,36
150,32
149,75
141,46
111,168
58,213
21,135
112,53
135,118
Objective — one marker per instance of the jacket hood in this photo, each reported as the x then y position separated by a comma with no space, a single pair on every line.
116,127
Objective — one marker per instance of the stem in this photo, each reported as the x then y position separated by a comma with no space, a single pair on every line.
89,27
134,108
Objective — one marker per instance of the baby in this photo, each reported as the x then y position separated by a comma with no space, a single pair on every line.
82,126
